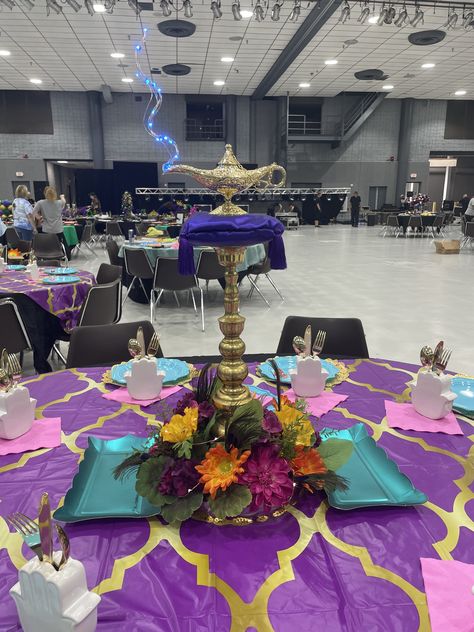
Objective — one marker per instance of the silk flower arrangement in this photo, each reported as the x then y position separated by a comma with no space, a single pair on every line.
251,460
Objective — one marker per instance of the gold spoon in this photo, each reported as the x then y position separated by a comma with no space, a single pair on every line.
426,356
134,348
299,345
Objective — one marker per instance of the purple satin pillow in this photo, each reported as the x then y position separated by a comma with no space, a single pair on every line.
231,230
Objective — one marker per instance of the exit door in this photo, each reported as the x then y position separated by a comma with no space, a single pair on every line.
412,189
377,198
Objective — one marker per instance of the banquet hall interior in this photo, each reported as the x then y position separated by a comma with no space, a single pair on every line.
236,315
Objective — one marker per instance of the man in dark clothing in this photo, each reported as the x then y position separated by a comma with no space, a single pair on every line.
464,203
355,209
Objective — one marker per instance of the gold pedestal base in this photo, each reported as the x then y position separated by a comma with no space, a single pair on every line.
232,370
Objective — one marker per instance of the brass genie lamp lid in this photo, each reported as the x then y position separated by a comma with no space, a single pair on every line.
230,177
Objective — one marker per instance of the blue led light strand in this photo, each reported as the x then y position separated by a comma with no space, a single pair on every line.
152,109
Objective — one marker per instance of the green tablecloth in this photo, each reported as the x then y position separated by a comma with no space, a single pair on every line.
70,235
253,254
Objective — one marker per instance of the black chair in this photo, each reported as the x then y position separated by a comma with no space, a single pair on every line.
416,226
13,335
47,246
113,230
12,237
208,267
138,267
392,225
49,263
174,231
105,345
142,228
167,277
264,267
86,239
103,305
108,273
468,233
113,252
345,337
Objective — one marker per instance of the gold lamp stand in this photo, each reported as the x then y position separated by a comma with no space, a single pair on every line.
229,178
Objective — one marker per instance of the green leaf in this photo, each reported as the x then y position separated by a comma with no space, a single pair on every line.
183,508
183,449
148,477
335,452
251,411
231,503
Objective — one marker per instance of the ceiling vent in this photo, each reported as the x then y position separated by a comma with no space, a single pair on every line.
426,38
372,74
176,28
177,70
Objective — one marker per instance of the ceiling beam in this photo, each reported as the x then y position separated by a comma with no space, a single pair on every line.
316,19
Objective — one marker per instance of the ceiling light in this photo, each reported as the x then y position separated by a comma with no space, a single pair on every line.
219,82
331,62
428,65
188,9
304,85
236,11
345,13
382,15
99,8
74,4
5,53
62,162
402,17
52,5
295,11
27,4
227,60
467,19
36,81
89,7
165,8
127,79
216,9
8,3
258,12
419,17
452,19
364,14
391,13
387,87
460,93
276,12
133,4
109,5
246,14
373,19
117,55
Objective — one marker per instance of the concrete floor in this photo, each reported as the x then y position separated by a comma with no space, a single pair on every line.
404,293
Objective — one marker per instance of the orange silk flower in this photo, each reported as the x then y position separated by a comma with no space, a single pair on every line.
307,462
219,469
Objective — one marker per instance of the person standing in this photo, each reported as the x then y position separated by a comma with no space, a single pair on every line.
317,209
355,209
50,211
95,205
23,214
469,214
464,203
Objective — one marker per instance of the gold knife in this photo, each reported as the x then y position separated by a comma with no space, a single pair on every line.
46,534
307,341
141,341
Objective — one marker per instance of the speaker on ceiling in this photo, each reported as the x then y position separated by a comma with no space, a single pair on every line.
107,93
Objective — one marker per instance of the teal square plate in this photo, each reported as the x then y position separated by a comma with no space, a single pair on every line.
374,479
174,370
285,364
464,389
96,494
60,271
57,280
15,266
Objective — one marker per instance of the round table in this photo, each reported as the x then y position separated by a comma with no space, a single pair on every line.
253,254
316,567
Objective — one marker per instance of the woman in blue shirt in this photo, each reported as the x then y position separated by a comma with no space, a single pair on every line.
23,214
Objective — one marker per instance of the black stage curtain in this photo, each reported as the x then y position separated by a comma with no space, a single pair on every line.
330,207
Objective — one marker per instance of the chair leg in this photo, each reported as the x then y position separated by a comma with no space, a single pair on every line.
275,287
143,288
202,308
255,281
194,301
254,285
128,290
152,304
177,299
57,350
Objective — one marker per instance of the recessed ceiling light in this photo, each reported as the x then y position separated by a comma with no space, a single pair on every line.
62,162
460,93
387,87
428,65
331,62
117,55
227,60
304,85
36,81
219,82
5,53
246,14
99,8
127,79
373,19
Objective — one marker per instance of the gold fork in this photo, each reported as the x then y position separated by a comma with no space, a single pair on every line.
29,531
442,362
319,342
154,345
15,365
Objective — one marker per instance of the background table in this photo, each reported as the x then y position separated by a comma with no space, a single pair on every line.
253,254
314,568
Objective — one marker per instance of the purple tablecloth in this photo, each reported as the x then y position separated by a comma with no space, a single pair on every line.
64,300
314,569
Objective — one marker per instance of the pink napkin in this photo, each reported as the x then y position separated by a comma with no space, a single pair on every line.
122,395
319,406
448,587
44,433
404,416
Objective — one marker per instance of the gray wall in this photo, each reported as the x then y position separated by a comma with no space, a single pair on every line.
32,169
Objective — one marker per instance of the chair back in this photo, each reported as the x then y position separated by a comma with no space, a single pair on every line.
47,246
112,228
87,232
141,229
167,276
13,335
105,345
469,230
113,252
392,220
108,273
208,267
345,337
415,222
137,263
102,305
12,237
48,263
174,231
438,221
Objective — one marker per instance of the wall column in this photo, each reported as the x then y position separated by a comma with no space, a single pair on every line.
253,132
281,157
96,129
404,136
231,121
